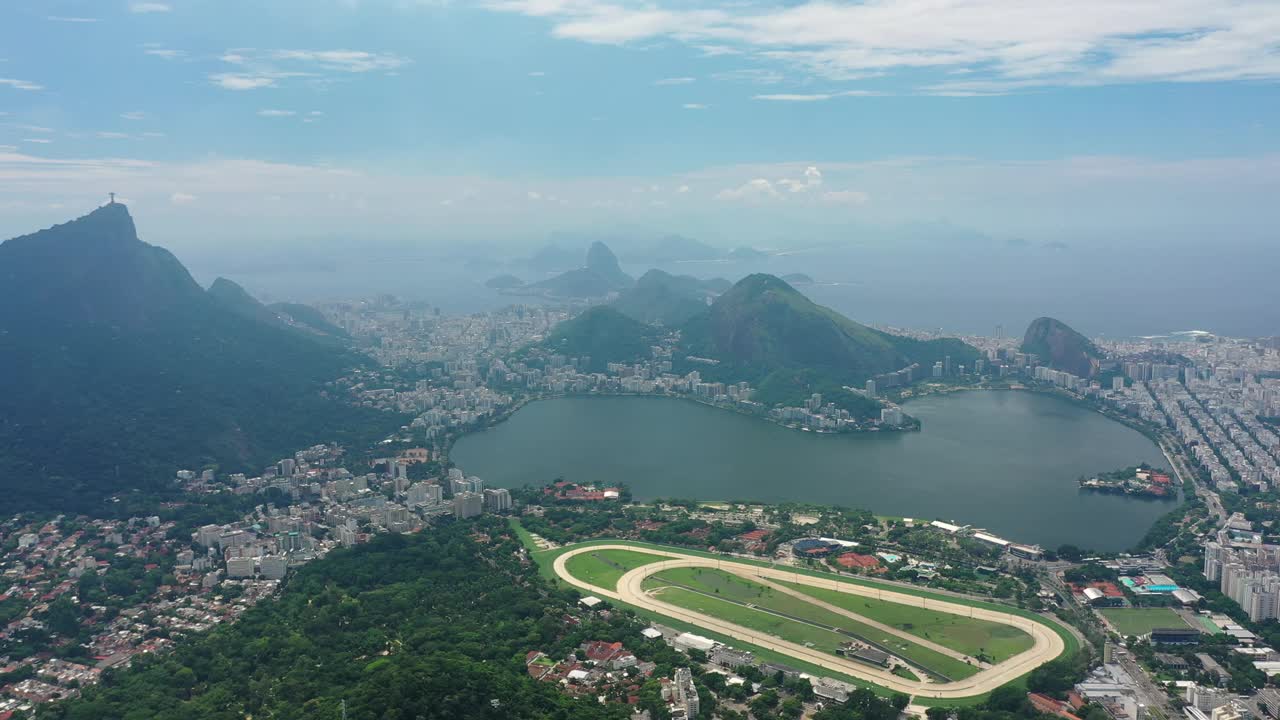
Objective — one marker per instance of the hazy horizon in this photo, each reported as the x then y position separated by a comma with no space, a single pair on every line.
956,173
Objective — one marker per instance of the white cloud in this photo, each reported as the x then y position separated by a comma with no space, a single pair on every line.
181,198
256,200
790,97
354,61
277,113
756,189
38,141
696,106
67,19
153,135
254,69
149,7
682,189
35,128
537,73
239,81
758,76
811,178
134,115
106,135
20,84
1033,43
675,81
166,53
533,195
811,97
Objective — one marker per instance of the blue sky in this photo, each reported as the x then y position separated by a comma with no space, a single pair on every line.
724,119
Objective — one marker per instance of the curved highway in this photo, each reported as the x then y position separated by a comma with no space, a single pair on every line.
1046,646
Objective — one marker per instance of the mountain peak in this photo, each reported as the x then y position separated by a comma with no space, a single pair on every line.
93,270
1060,347
601,258
109,223
601,276
757,283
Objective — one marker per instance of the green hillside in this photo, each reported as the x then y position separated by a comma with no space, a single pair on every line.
664,299
120,369
762,325
605,335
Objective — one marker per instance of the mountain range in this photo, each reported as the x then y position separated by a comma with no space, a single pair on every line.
664,299
599,277
121,369
760,330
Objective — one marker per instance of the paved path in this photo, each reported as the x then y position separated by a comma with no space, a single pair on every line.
1047,644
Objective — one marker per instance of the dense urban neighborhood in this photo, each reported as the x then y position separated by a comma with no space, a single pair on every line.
1185,624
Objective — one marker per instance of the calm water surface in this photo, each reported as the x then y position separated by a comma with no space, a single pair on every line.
1007,461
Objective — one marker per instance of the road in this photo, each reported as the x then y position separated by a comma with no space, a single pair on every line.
1185,474
1046,646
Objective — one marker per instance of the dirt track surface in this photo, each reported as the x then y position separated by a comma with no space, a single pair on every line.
1047,643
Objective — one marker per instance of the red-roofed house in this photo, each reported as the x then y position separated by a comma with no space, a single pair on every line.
1048,705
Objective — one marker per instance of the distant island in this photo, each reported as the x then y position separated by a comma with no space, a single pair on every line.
599,277
503,282
798,279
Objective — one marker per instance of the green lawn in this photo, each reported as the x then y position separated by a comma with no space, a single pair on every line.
733,588
1140,621
603,568
970,636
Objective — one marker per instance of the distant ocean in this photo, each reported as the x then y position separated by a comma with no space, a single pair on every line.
1110,293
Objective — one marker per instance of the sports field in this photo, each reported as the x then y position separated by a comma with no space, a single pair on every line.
980,638
757,606
1140,621
603,568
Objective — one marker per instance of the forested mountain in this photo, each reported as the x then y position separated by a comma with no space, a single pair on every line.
120,368
601,276
231,296
604,335
665,299
1060,347
763,325
761,330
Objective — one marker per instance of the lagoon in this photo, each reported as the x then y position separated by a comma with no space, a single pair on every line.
1004,460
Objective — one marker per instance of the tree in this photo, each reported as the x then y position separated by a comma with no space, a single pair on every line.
1007,698
938,713
1070,553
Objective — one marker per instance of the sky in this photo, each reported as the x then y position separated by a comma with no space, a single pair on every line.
230,123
